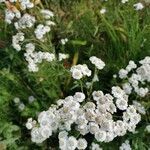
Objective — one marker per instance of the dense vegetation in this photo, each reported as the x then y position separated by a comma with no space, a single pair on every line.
116,36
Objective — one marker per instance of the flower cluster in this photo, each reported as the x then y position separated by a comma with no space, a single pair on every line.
30,123
71,143
97,62
95,146
19,104
23,20
16,39
125,146
94,115
124,1
33,58
26,4
64,41
26,21
62,56
138,6
136,81
10,15
42,29
80,71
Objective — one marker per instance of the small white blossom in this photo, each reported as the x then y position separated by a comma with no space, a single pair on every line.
26,21
21,106
138,6
79,96
100,136
123,73
16,100
103,11
124,1
125,146
64,41
79,71
95,146
82,144
62,56
147,128
97,62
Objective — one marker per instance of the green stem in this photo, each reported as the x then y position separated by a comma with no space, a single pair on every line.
81,84
91,86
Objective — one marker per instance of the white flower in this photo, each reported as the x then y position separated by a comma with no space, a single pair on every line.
45,131
138,6
97,95
131,110
21,106
41,30
50,23
26,21
86,71
97,62
135,118
9,16
79,96
36,135
142,91
24,4
131,66
89,106
90,117
144,72
121,104
72,143
109,136
33,58
64,41
16,100
147,128
79,71
47,14
16,39
117,92
115,76
103,11
31,99
139,107
63,135
95,146
77,74
125,146
30,124
127,88
100,136
62,56
124,1
146,60
82,144
123,73
93,128
63,144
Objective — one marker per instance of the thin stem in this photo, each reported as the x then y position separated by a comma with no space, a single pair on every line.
81,84
91,86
